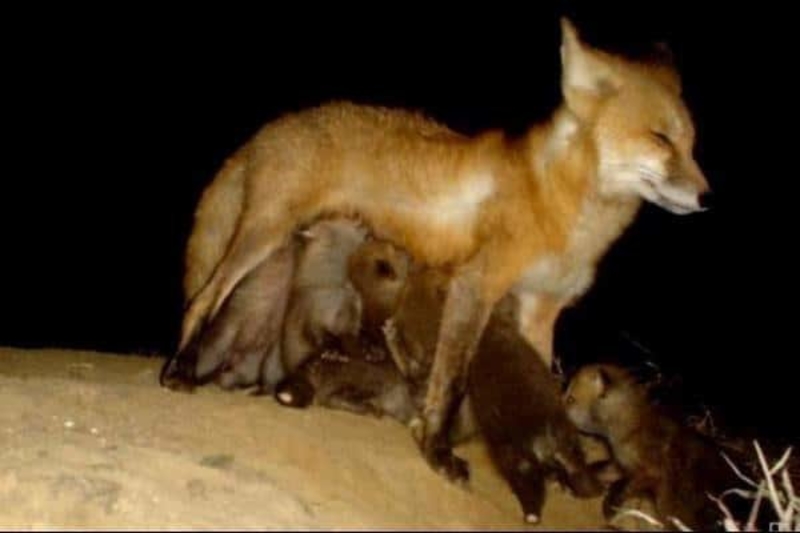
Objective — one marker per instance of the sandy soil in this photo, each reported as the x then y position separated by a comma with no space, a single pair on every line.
90,441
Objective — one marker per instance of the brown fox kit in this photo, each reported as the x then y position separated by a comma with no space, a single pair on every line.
358,374
659,457
533,214
379,272
412,331
516,401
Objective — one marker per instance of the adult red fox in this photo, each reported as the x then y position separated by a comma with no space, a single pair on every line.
533,214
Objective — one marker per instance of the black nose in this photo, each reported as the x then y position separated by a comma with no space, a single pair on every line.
706,200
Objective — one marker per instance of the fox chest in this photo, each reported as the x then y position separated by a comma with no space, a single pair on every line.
568,274
560,277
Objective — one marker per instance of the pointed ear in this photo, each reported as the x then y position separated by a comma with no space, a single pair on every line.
587,75
662,61
662,54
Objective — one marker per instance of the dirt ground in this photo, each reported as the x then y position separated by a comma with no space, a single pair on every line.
90,441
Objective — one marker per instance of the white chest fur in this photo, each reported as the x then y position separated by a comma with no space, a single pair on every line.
568,275
562,277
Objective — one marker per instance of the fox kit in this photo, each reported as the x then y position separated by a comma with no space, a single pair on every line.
660,458
533,214
359,376
413,330
379,272
323,304
347,380
516,401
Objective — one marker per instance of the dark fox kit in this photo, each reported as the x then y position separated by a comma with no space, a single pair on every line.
517,404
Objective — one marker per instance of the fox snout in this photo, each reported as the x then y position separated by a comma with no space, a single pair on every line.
704,193
695,181
706,200
685,189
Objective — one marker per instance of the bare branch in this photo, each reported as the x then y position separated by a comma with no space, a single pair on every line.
738,472
755,509
784,514
781,462
638,514
729,521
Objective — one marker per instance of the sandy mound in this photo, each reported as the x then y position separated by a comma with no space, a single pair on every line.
90,441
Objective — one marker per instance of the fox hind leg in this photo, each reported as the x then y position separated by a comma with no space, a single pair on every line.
254,241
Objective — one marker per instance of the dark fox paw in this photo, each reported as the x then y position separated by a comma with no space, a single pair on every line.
439,454
176,376
451,466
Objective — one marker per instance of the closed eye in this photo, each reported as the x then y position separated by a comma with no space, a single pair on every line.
661,137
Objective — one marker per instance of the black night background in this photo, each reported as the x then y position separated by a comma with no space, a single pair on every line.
115,120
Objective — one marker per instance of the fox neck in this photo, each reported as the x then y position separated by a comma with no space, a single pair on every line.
564,163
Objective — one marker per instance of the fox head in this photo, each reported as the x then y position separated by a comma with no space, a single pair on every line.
638,122
597,396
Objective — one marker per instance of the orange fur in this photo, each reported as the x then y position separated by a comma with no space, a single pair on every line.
534,214
385,164
215,221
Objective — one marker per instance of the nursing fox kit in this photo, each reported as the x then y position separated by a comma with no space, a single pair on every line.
533,215
673,465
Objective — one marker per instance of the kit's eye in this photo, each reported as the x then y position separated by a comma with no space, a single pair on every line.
570,399
384,269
